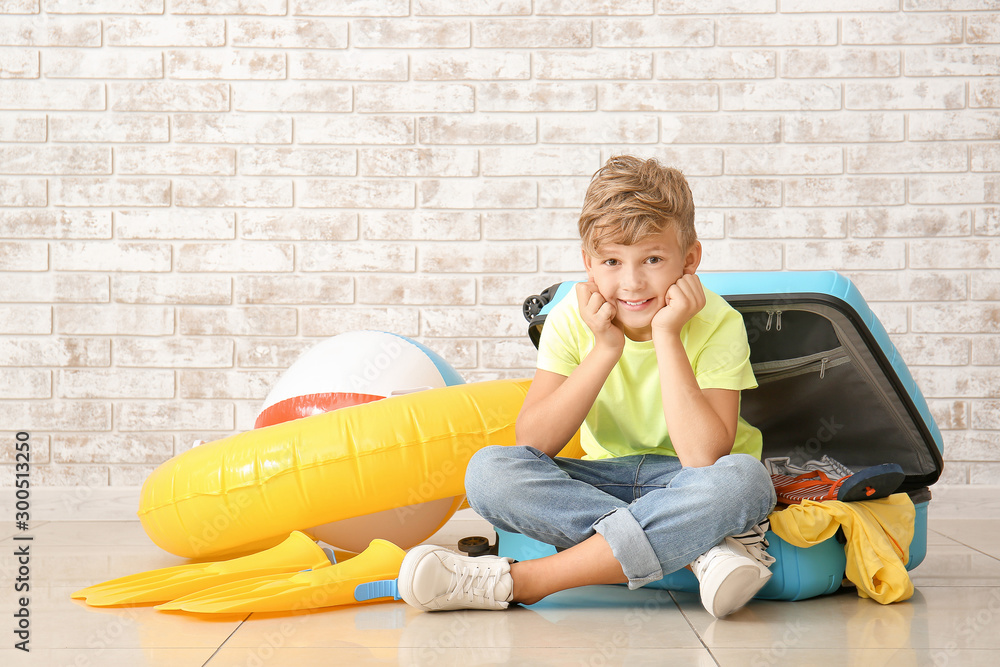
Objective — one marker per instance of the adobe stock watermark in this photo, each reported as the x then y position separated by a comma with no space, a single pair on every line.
273,640
230,512
608,652
967,631
107,637
22,541
776,653
459,633
377,365
827,431
433,486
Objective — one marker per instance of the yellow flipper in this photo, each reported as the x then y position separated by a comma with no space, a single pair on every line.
325,587
298,552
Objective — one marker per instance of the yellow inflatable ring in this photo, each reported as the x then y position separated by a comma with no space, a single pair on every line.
247,492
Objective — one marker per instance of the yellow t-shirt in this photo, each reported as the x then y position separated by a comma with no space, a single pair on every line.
627,417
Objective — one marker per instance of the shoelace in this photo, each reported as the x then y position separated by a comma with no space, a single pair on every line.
468,583
839,468
701,562
755,541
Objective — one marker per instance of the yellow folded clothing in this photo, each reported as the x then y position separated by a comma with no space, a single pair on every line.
878,532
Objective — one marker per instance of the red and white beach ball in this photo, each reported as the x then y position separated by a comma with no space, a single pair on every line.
350,369
353,368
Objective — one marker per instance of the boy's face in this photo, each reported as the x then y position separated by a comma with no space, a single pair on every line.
635,278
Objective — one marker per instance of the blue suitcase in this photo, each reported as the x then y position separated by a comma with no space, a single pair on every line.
820,357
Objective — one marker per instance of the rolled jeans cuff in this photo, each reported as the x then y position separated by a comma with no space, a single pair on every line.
630,547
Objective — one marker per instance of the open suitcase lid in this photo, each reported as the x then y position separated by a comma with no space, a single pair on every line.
830,380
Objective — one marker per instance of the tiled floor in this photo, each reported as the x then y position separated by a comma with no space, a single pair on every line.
953,618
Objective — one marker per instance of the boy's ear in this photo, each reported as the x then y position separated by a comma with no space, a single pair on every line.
586,264
692,258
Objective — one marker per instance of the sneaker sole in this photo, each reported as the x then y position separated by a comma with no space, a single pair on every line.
407,572
739,586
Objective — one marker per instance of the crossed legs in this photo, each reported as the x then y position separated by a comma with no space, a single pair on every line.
632,519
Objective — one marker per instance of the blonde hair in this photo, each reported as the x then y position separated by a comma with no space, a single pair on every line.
629,199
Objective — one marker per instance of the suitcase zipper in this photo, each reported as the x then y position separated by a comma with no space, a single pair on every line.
770,316
820,362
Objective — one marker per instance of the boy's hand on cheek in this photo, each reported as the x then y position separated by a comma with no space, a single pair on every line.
685,298
599,315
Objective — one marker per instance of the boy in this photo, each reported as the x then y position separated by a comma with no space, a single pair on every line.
649,366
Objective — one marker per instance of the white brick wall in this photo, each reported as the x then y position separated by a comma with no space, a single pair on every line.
192,192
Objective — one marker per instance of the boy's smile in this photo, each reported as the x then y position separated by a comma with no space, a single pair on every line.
637,305
635,278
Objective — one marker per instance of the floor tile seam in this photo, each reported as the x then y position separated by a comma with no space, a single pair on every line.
967,543
34,526
976,549
546,647
957,587
964,544
922,585
78,545
225,641
694,629
940,534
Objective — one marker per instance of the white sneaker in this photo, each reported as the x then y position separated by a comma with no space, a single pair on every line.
433,578
731,572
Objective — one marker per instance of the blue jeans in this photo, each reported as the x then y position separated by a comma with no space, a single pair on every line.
656,515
